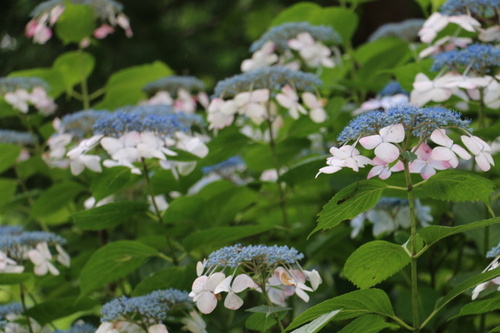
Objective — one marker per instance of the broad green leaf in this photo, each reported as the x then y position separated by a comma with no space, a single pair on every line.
317,324
496,329
32,166
76,23
172,277
424,5
7,190
436,4
353,304
221,236
11,278
6,110
259,157
480,306
53,77
300,171
75,67
434,233
367,324
227,143
110,181
125,87
8,155
488,133
183,209
49,311
296,13
109,215
374,262
467,284
112,262
268,310
183,156
343,20
452,185
56,197
349,202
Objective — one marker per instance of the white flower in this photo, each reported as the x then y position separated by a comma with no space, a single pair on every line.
263,57
160,202
434,24
495,282
240,283
158,328
221,113
41,258
384,149
42,101
481,150
161,97
18,99
315,105
315,54
492,34
194,323
467,22
288,99
251,104
203,291
8,265
345,156
383,102
426,90
449,150
124,148
184,101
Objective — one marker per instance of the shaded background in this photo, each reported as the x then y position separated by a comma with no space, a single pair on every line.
204,38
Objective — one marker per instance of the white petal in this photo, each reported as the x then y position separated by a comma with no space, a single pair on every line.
207,302
387,152
233,301
242,282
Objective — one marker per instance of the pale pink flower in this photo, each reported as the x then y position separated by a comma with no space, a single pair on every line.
123,22
314,53
295,279
41,257
288,99
426,90
383,142
263,57
221,113
103,31
467,22
381,169
157,328
492,34
449,150
480,149
316,107
424,164
18,99
203,291
345,156
252,104
383,102
184,101
240,283
447,43
434,24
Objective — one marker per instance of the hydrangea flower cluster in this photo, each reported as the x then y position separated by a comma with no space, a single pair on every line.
17,245
143,312
389,215
391,94
70,130
46,14
134,133
406,30
10,313
257,94
21,92
466,69
405,128
306,39
262,268
180,92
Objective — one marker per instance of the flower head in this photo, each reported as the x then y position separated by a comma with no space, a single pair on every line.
406,30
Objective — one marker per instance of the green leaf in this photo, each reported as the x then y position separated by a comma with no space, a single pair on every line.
342,20
55,198
110,181
112,262
374,262
434,233
32,166
296,13
350,202
298,172
406,74
353,304
12,278
125,87
496,329
227,143
259,157
260,322
480,306
76,23
452,185
75,67
221,236
368,324
268,310
183,209
172,277
317,324
53,77
7,190
109,215
183,156
8,155
467,284
49,311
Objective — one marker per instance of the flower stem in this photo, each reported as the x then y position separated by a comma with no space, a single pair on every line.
157,211
23,301
85,90
275,315
482,109
272,144
413,247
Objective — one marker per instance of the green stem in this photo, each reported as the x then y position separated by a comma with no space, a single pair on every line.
402,323
275,315
157,211
413,247
272,143
23,301
482,109
97,93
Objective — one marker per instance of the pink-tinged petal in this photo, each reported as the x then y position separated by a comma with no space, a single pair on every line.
439,136
277,296
328,170
131,139
299,277
393,133
387,152
260,95
206,303
482,162
375,171
440,165
31,28
386,173
318,115
225,285
460,151
427,171
284,101
233,301
311,101
417,165
445,154
424,152
103,31
242,282
158,328
199,283
214,280
398,167
370,142
295,44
